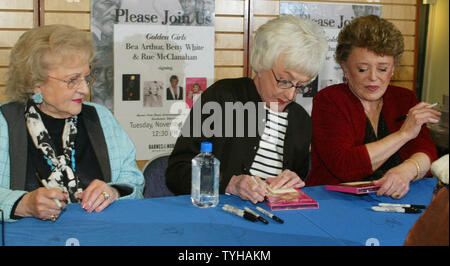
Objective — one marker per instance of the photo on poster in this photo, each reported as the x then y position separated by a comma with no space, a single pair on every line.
365,10
103,68
328,82
311,89
195,13
130,87
153,92
194,88
174,91
103,15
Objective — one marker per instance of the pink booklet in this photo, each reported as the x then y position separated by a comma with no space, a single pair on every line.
354,187
289,199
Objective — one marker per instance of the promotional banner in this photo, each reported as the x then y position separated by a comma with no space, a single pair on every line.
160,57
332,17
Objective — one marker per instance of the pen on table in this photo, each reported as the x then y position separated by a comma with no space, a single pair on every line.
402,205
396,209
269,214
45,184
239,212
403,117
259,217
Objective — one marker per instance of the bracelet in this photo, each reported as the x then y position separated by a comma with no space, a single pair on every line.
417,167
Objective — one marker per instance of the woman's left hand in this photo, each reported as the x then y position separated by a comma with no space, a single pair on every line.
97,196
395,183
287,179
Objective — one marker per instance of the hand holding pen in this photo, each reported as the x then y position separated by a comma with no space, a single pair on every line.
42,203
56,198
417,116
247,188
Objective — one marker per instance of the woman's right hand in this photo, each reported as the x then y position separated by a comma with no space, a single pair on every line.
40,204
245,187
417,116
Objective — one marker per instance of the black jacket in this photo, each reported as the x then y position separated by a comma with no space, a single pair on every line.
169,95
236,154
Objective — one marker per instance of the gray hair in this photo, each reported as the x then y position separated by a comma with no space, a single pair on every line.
301,41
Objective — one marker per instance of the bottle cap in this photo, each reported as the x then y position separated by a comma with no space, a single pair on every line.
206,147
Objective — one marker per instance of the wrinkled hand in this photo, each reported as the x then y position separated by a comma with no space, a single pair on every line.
246,188
40,204
395,183
287,179
417,116
93,198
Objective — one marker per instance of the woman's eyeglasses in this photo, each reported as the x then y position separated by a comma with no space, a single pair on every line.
287,84
75,82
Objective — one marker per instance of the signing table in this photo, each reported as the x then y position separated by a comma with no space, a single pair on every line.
342,219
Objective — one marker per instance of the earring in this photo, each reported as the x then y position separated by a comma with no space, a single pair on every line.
37,97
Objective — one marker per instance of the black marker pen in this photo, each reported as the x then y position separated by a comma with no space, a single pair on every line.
270,215
259,217
396,209
402,205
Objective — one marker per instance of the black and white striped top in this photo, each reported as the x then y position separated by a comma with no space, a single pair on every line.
268,160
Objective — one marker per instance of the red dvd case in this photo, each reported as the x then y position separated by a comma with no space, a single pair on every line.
290,199
354,187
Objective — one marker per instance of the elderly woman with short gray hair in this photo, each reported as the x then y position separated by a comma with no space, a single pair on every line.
287,55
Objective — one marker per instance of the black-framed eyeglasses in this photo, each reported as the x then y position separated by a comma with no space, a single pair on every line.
287,84
74,83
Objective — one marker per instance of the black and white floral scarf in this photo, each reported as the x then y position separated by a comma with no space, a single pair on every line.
61,172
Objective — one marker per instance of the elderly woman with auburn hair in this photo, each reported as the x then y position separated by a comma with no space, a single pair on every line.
365,128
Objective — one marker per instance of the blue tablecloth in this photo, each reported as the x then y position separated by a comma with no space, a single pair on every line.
342,219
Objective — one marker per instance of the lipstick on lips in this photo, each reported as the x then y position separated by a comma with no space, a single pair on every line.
372,88
78,100
281,101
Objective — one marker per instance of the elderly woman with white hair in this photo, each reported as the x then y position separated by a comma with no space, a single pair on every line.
288,54
55,148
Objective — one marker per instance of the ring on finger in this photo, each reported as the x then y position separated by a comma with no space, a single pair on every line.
53,218
105,195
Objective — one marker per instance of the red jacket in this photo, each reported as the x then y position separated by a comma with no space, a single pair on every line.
339,126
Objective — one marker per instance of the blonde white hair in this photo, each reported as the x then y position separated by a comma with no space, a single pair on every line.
300,41
40,49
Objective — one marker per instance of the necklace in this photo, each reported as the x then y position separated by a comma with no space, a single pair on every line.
373,111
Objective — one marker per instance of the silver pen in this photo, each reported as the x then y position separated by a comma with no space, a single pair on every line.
239,212
45,184
403,117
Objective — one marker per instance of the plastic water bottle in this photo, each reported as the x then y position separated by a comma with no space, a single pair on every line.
205,178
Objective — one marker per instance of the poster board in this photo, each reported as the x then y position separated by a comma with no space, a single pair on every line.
332,17
150,52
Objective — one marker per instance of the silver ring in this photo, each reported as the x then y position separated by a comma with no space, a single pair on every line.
53,218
